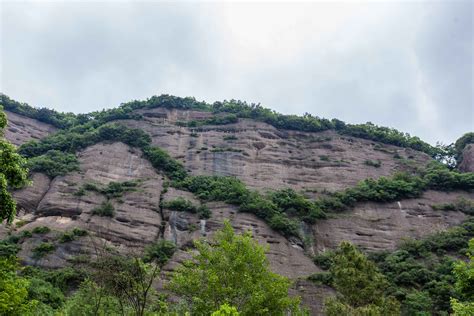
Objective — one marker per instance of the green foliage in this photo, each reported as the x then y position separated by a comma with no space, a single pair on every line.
43,249
54,163
41,230
388,136
159,252
91,300
373,163
204,212
460,205
14,290
226,310
230,137
13,174
417,303
215,188
106,209
460,144
128,279
232,270
464,273
400,185
295,204
111,190
324,158
181,205
65,279
360,284
8,249
324,259
57,119
215,120
438,177
425,266
80,137
233,110
162,161
43,291
69,236
225,149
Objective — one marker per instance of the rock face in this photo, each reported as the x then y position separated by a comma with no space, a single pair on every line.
467,163
265,157
21,129
257,153
56,204
375,227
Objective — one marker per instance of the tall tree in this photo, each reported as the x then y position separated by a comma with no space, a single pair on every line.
13,173
464,272
359,284
232,270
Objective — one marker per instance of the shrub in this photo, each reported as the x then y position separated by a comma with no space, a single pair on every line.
161,160
230,137
43,249
324,158
106,209
68,236
225,149
45,292
460,205
41,230
373,163
159,252
54,163
79,232
204,212
181,205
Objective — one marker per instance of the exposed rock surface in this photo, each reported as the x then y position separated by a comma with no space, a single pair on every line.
137,220
375,226
467,163
21,129
265,157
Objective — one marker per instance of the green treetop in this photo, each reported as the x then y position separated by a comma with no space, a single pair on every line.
464,272
232,270
13,173
360,286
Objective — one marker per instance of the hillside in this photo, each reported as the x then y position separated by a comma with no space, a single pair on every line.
297,183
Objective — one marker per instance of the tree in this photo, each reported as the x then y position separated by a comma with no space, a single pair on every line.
128,279
360,286
91,300
464,272
232,270
13,173
14,290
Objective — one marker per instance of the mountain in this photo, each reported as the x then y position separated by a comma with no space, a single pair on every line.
175,168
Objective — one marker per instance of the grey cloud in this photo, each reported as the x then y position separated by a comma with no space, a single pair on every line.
410,68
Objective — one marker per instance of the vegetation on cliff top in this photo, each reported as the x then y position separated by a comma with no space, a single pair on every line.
233,109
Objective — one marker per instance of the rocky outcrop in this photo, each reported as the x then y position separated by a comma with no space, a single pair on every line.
375,226
21,129
137,220
265,157
467,162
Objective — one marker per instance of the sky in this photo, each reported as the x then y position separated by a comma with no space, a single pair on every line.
402,64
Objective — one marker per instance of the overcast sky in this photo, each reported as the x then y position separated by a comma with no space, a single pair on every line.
407,65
